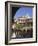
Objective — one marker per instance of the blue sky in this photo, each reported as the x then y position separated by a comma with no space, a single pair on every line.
23,11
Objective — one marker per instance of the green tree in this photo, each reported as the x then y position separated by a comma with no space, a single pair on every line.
19,26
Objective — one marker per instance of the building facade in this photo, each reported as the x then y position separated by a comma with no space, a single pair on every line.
25,21
26,30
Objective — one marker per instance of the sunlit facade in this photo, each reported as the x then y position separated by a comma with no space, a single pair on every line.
24,21
27,26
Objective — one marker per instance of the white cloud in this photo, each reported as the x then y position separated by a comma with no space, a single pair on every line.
28,16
